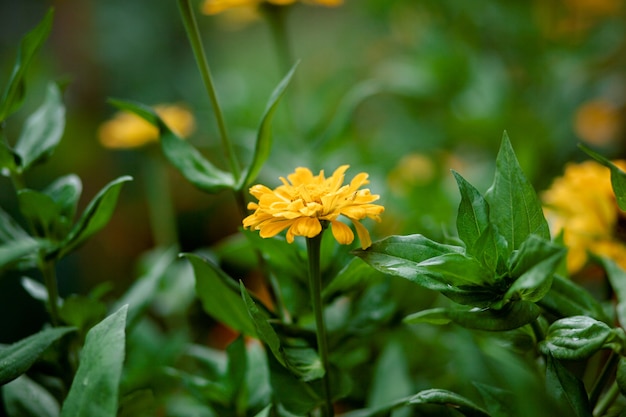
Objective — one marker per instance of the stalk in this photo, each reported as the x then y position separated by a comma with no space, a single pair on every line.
50,281
191,27
313,245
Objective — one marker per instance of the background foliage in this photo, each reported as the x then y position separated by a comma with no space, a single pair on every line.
404,90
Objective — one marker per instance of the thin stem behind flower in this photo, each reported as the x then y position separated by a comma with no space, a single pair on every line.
193,33
313,245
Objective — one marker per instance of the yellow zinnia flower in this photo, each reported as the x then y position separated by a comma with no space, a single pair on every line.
306,203
582,205
218,6
127,130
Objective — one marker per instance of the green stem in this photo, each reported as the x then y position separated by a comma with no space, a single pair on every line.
276,17
313,245
50,281
160,210
193,33
605,402
605,375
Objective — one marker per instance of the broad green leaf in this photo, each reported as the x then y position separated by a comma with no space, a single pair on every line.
617,278
566,298
13,251
65,191
13,95
433,265
95,217
25,398
566,389
264,412
579,337
42,131
302,361
143,290
9,229
391,365
41,212
533,266
512,316
296,396
181,154
515,208
448,399
499,402
19,357
263,143
205,390
95,388
402,255
220,296
618,177
473,214
236,373
36,289
354,275
82,312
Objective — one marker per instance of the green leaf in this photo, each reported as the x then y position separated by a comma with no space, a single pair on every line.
448,399
65,192
13,251
13,95
617,278
566,298
499,402
533,267
473,214
140,403
618,177
579,337
512,316
220,296
25,398
42,131
40,210
296,396
515,208
19,357
391,365
95,217
568,390
355,274
143,290
433,265
181,154
263,143
236,373
8,159
9,229
301,360
82,312
95,388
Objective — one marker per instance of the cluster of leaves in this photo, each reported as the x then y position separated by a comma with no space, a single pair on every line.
69,387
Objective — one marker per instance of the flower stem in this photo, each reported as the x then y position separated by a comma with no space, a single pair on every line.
313,245
275,16
193,33
605,402
50,281
160,210
605,374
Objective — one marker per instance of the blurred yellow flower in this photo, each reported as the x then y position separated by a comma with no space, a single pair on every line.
413,170
598,122
582,205
218,6
306,203
127,130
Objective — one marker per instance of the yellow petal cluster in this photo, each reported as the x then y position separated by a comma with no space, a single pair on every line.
127,130
305,203
582,205
218,6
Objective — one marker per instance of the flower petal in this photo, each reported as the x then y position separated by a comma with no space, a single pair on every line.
342,233
363,233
